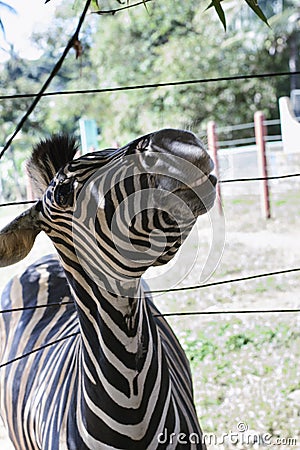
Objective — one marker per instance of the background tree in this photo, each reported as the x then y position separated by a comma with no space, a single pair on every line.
105,5
172,40
176,41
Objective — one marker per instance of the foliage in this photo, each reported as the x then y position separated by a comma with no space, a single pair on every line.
183,45
216,4
170,41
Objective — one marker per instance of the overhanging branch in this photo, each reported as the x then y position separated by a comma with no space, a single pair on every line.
72,42
114,11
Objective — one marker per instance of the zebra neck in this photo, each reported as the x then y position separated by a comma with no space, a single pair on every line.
120,303
121,364
117,333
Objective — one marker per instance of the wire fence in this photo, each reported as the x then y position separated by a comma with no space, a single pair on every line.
170,314
42,347
188,287
185,288
232,130
234,180
175,314
151,86
42,93
165,291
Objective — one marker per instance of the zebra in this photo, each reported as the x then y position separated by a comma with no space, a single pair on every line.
102,369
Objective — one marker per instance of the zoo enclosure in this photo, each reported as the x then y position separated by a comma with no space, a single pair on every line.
263,159
224,157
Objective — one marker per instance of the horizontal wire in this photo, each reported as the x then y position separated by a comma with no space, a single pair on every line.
219,283
227,312
150,85
174,314
177,314
38,349
234,142
245,126
27,308
185,288
276,177
23,202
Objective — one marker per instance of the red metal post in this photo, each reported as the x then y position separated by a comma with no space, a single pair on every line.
212,142
260,134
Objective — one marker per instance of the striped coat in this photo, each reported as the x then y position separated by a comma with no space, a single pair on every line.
114,376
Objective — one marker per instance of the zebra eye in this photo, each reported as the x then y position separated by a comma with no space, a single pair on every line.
64,193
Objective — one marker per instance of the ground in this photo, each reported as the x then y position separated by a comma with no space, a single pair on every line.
246,367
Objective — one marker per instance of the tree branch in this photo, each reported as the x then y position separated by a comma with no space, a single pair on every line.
73,41
114,11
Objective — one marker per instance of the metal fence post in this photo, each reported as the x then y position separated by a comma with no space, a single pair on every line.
212,142
260,133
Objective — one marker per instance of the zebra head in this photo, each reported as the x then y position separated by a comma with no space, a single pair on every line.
115,210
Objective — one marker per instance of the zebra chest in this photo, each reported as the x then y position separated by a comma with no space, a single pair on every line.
35,396
92,390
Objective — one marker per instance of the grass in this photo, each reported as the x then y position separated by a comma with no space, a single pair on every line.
246,201
246,368
244,371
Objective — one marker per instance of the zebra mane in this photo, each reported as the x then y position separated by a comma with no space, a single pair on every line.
47,157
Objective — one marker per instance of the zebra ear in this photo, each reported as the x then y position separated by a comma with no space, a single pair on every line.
17,238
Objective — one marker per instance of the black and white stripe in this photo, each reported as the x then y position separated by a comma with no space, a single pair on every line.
122,380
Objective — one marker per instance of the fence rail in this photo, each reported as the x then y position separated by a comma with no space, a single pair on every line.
256,144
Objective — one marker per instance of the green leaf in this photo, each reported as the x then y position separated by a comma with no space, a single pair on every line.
254,6
146,7
217,5
212,4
